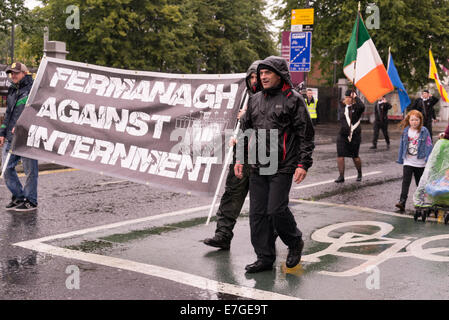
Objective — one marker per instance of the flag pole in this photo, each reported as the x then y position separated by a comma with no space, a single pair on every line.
389,54
227,159
356,44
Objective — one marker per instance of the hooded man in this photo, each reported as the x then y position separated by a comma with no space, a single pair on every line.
283,130
233,198
23,198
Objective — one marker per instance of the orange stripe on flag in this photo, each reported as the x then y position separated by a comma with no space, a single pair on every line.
441,90
375,84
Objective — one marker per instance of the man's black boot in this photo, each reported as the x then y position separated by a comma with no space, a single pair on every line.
218,242
340,179
401,205
258,266
359,176
294,254
373,146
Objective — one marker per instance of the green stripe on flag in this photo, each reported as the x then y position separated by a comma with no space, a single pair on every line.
22,101
351,53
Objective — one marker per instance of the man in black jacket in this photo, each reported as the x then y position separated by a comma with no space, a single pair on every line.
284,132
425,105
24,198
381,108
236,189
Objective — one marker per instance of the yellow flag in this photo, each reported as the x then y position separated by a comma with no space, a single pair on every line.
433,74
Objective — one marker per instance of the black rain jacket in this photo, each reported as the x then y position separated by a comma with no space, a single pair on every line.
283,109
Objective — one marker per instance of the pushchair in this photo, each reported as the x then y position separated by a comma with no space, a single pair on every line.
432,194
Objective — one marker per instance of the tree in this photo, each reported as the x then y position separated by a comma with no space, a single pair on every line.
184,36
13,14
409,27
11,11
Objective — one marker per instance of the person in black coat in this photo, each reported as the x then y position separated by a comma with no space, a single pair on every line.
425,105
284,142
350,135
381,108
236,189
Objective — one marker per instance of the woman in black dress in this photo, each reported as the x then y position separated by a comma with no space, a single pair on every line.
350,136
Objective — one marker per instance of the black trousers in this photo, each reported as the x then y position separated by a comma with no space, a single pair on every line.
380,126
231,202
269,212
408,173
429,127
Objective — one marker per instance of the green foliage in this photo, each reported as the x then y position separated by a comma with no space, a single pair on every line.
409,27
12,11
180,36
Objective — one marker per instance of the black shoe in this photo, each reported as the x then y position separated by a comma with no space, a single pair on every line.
373,147
388,146
26,206
14,203
359,177
294,255
401,205
340,179
218,242
258,266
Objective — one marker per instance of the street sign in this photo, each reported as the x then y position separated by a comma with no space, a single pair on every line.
296,77
300,51
301,28
302,16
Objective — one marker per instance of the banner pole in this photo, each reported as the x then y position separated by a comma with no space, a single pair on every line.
227,159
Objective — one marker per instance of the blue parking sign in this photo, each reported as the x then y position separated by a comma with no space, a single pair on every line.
300,49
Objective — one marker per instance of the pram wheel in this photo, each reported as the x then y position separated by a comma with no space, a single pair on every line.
446,218
424,216
436,213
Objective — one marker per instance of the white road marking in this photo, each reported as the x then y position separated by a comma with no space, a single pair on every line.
337,205
112,182
152,270
165,273
156,271
332,181
121,224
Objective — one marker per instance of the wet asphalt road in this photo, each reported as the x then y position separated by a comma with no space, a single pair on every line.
71,200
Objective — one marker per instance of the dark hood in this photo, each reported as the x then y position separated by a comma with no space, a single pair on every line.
279,65
26,81
252,69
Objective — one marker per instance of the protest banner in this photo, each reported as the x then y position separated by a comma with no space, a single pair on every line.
167,130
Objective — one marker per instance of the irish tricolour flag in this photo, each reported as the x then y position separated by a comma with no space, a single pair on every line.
363,65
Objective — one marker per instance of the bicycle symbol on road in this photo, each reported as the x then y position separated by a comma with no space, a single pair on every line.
357,239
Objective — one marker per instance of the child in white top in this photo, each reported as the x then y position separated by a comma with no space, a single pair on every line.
414,150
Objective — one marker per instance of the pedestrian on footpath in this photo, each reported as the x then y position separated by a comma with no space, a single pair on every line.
414,150
350,135
311,106
277,114
381,108
236,189
24,198
425,105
